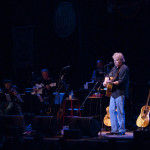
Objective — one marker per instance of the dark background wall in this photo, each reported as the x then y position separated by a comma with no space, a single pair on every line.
36,34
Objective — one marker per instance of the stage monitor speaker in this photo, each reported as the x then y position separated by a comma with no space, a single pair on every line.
87,125
13,124
48,125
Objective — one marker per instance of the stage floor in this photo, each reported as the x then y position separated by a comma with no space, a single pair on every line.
127,137
103,141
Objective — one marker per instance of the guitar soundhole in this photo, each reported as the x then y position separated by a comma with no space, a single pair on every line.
145,111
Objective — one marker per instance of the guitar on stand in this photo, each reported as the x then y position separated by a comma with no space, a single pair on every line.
143,119
107,118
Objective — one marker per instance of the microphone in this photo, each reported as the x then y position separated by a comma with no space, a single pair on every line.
110,63
66,67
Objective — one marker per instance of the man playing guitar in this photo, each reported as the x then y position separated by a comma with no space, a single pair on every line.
44,89
44,85
120,86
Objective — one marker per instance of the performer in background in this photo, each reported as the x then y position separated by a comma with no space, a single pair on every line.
44,88
13,98
46,83
98,73
120,72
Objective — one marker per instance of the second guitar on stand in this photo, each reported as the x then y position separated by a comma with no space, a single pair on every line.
143,119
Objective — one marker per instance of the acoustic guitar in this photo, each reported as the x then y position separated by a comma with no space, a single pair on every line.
109,85
107,118
109,88
38,88
143,119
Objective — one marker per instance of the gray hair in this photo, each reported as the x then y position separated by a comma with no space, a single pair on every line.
119,55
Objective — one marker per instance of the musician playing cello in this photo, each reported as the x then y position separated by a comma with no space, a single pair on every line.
120,83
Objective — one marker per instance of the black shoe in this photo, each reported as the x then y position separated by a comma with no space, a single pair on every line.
121,133
112,133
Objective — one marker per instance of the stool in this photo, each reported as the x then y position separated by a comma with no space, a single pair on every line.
94,101
71,102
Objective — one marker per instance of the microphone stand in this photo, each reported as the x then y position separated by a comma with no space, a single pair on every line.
60,83
100,98
93,89
57,93
88,95
100,107
61,76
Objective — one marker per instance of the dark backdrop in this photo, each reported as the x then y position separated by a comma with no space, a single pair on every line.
51,34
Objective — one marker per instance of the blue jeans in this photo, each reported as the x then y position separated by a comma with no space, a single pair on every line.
117,118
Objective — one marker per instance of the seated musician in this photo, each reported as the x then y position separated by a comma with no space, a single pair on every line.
48,85
47,88
13,98
120,73
98,73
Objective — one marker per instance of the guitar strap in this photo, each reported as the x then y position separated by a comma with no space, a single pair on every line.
116,75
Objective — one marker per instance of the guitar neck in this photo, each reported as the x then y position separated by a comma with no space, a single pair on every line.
148,98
